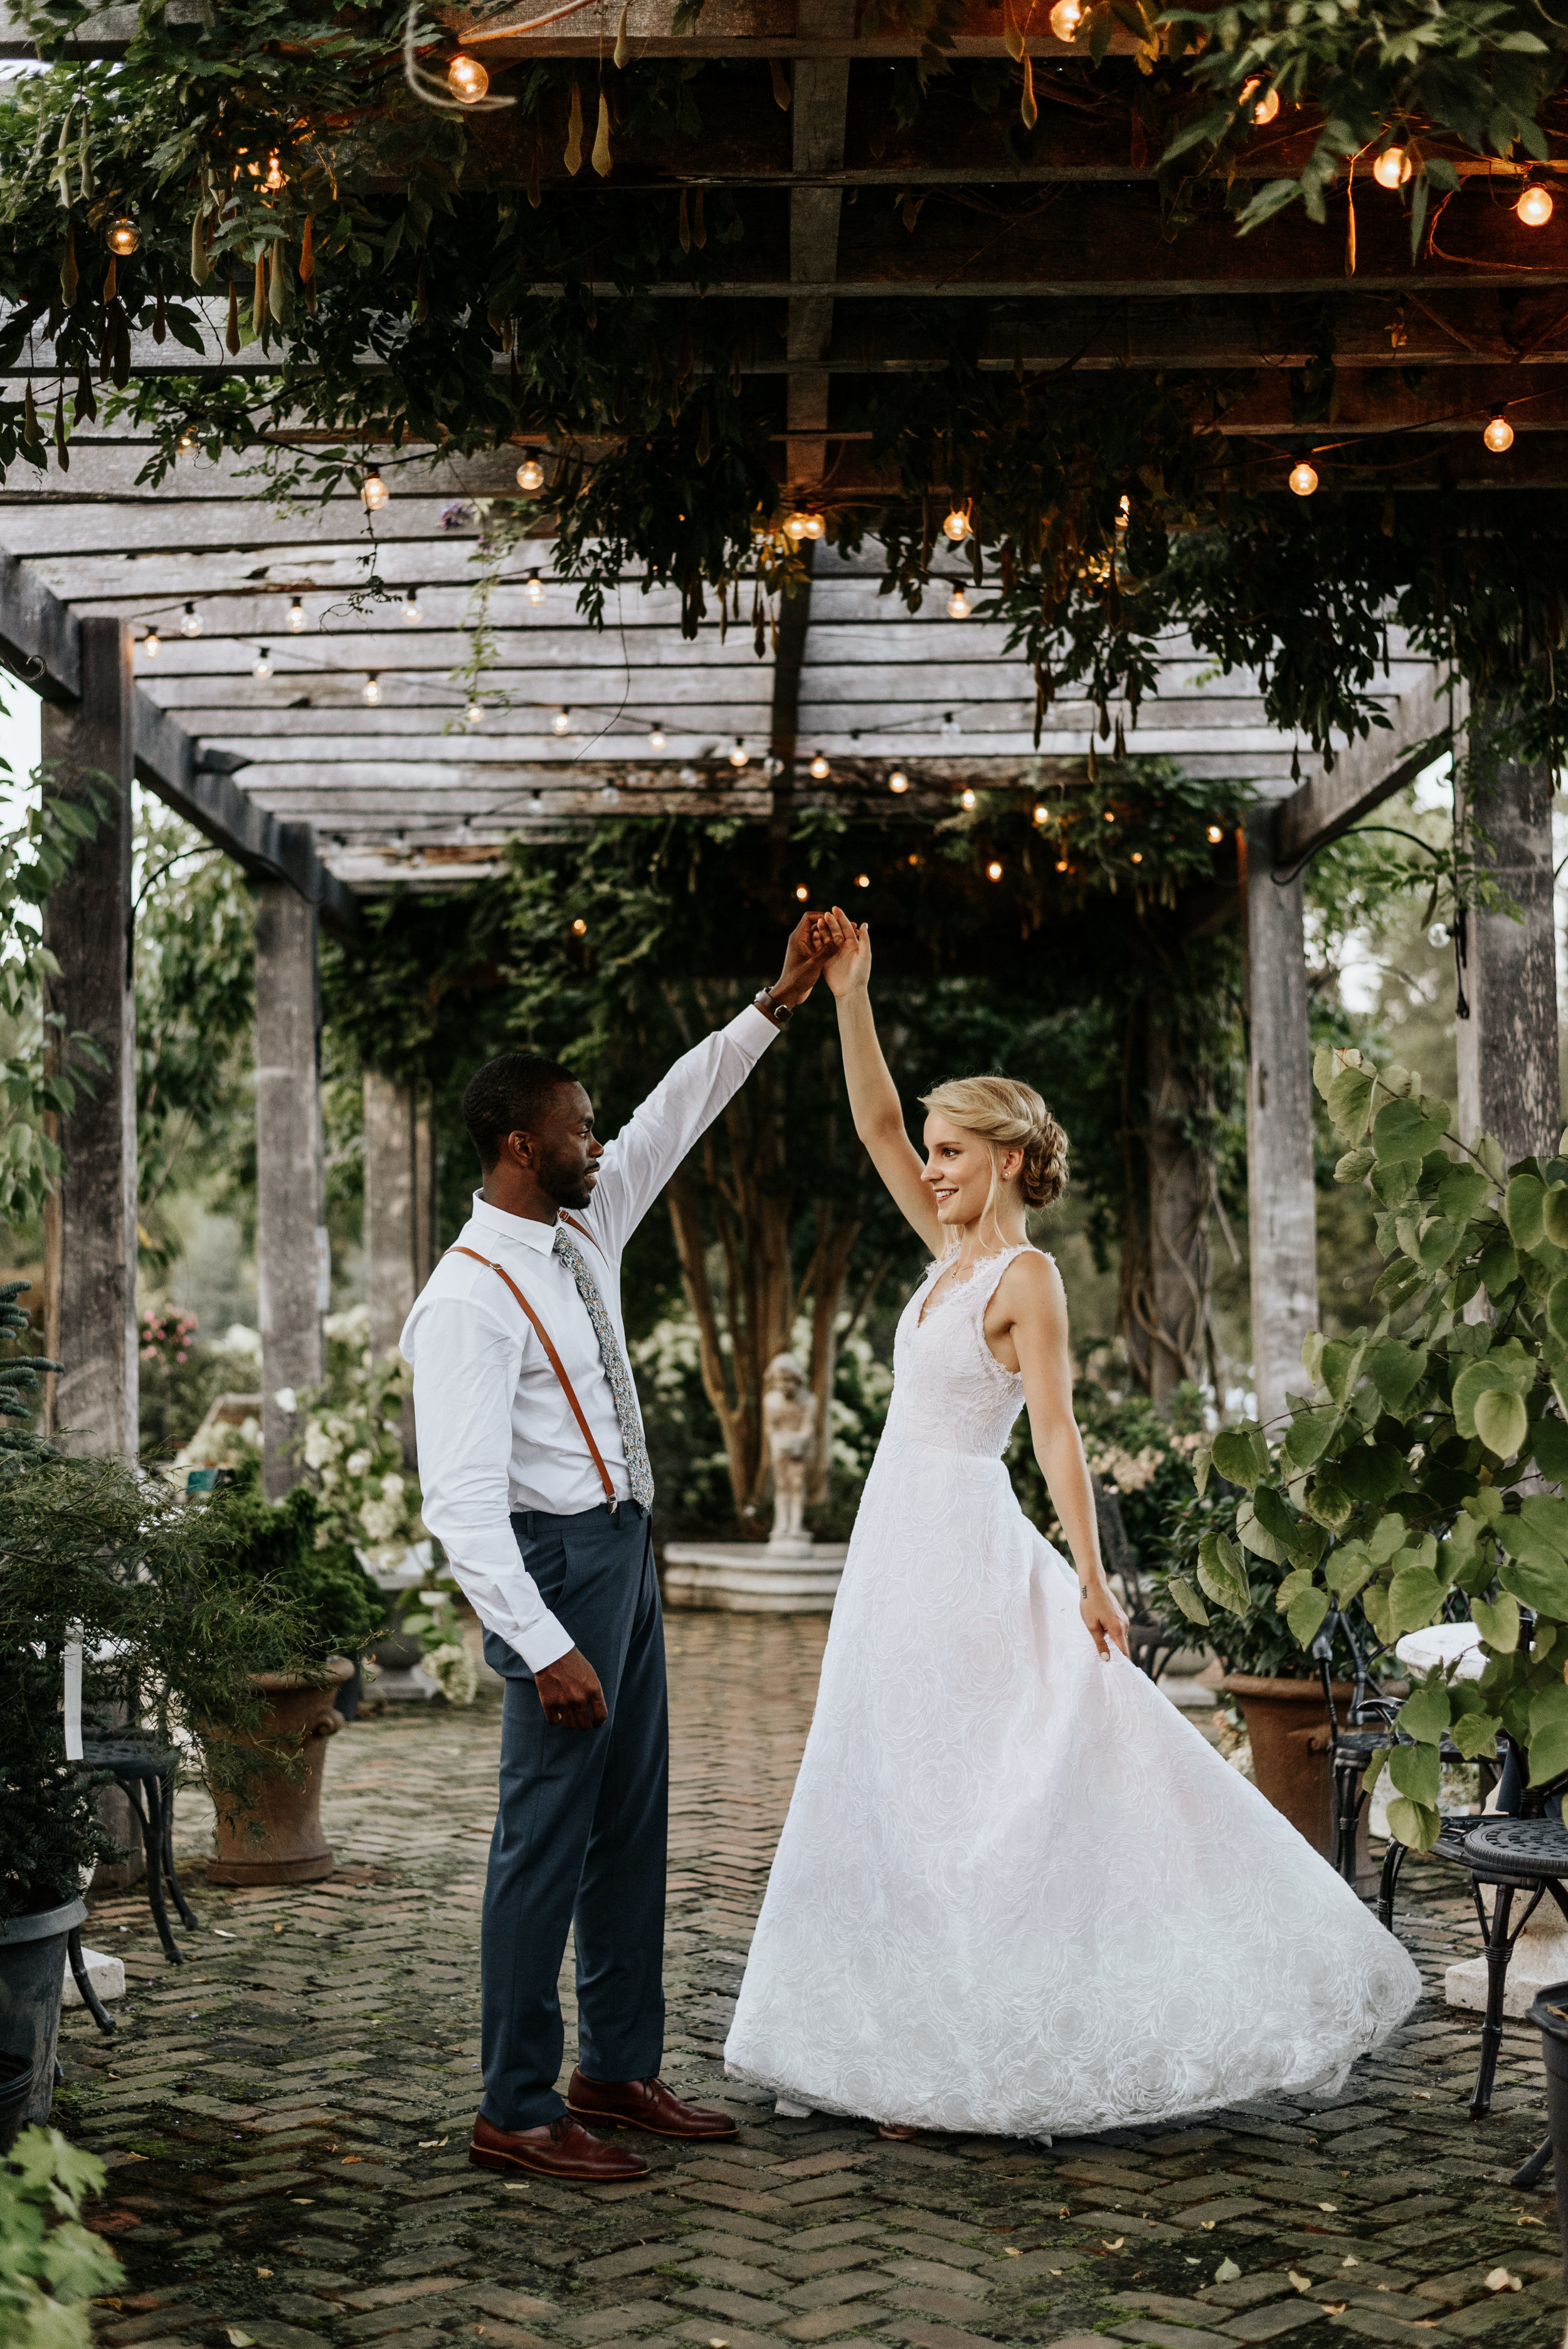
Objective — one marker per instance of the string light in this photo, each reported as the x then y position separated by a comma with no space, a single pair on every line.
741,755
190,621
370,691
795,526
262,667
958,604
1042,813
1534,206
898,781
561,722
184,440
1499,435
656,736
296,623
1266,108
530,475
863,880
1062,865
1111,815
534,593
1064,19
994,871
1216,834
609,794
152,644
474,714
801,893
580,928
467,79
1137,856
1393,167
820,770
815,526
411,612
277,178
373,490
122,237
958,526
1124,511
966,799
1302,479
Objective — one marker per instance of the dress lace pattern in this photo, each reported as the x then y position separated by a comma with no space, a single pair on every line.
1016,1892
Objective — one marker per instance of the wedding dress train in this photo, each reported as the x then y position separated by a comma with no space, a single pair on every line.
1016,1892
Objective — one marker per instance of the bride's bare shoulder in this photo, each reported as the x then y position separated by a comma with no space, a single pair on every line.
1031,1285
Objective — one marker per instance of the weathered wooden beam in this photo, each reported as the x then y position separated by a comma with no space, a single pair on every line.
291,1267
1505,1034
1369,773
40,638
1281,1205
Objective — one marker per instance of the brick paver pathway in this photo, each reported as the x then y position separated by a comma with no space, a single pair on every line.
285,2122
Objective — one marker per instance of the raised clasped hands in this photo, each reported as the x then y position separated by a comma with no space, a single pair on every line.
848,947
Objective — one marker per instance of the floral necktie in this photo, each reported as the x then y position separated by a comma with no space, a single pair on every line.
616,1370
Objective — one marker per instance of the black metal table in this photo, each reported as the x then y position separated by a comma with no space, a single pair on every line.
1512,1856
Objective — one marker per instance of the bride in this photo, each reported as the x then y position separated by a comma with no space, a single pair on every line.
1016,1892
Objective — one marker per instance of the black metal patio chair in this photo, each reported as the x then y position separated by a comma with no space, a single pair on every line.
140,1765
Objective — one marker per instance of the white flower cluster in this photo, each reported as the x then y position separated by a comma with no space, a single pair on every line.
354,1445
1127,1472
454,1671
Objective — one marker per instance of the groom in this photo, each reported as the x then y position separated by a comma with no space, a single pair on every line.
536,1483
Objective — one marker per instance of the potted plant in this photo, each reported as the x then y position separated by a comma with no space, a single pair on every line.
51,2267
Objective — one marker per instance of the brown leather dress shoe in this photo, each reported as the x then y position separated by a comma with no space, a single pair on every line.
645,2105
561,2148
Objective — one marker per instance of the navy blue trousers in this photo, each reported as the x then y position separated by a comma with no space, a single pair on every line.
580,1832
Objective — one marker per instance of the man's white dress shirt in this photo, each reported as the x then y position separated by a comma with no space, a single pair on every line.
495,1432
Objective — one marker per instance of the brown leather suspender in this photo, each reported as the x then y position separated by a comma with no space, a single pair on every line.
556,1364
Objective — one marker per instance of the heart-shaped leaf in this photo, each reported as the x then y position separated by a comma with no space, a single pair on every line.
1497,1620
1476,1734
1524,1204
1414,1597
1549,1444
1348,1096
1356,1165
1305,1614
1548,1733
1461,1193
1501,1422
1395,1370
1424,1715
1401,1129
1539,1580
1415,1770
1309,1435
1555,1214
1416,1825
1236,1455
1187,1600
1256,1537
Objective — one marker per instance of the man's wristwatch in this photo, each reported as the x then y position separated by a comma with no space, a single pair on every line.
768,1003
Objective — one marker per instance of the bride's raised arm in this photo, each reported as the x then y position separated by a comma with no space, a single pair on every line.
873,1097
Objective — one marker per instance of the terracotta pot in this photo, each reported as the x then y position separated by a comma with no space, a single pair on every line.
1287,1723
291,1848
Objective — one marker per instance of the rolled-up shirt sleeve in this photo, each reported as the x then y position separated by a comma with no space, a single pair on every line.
465,1368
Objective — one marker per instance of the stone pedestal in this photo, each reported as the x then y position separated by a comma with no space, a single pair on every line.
753,1577
1540,1958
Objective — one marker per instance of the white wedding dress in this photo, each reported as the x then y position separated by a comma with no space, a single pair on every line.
1016,1892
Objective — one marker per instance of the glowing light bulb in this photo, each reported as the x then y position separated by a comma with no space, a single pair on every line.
1137,856
122,236
411,612
1393,167
1216,834
795,526
152,644
1111,815
370,691
1042,813
1302,479
958,604
656,736
801,893
863,880
1124,512
1499,435
967,802
297,620
609,795
467,79
957,526
898,781
994,871
474,714
580,928
262,667
185,441
190,621
1064,19
820,770
534,592
373,490
815,526
530,475
1062,865
277,178
1266,107
561,722
741,755
1534,207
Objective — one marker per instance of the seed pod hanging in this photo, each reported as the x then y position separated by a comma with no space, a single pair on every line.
118,326
573,156
159,315
258,296
86,402
783,93
1013,39
62,174
61,450
31,437
87,186
231,339
1029,111
277,282
600,159
69,265
307,250
200,264
111,280
623,52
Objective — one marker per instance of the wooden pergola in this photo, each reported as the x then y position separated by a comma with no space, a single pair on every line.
318,726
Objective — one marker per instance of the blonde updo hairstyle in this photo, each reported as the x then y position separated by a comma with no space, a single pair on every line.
1007,1115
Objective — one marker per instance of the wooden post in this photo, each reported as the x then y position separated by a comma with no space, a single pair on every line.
392,1187
90,1228
1180,1196
291,1236
1281,1205
426,1191
1507,1031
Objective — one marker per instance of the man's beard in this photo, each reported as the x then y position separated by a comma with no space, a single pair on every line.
568,1186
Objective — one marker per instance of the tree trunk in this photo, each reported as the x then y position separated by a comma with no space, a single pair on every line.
1170,1192
825,1281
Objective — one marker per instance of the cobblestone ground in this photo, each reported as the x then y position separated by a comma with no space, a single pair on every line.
285,2123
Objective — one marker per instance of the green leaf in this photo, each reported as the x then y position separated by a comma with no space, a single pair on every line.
1256,1537
1307,1543
1548,1733
1415,1596
1424,1715
1461,1193
1350,1092
1476,1734
1523,1205
1220,1574
1187,1600
1555,1214
1387,1536
1499,1263
1435,1242
1547,1515
1501,1422
1202,1463
1375,1768
1540,1580
1236,1454
1341,1365
1395,1370
1308,1437
1557,1309
1305,1614
1356,1165
1416,1825
1549,1446
1401,1129
1415,1770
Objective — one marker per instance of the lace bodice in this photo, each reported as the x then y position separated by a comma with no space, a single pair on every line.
949,1390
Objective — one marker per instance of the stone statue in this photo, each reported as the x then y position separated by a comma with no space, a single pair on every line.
789,1417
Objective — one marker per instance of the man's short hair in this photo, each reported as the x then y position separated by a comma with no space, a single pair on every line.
510,1095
